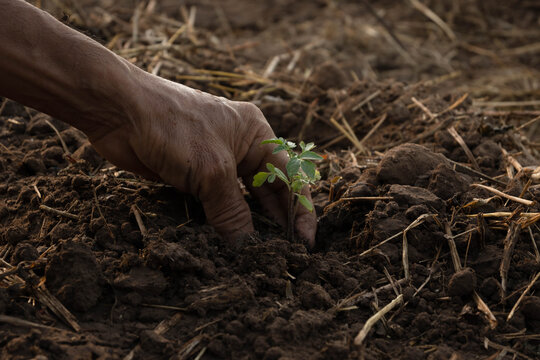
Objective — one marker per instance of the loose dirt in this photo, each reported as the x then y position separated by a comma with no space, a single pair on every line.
433,113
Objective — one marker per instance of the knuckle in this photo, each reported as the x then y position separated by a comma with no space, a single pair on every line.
252,114
254,126
249,109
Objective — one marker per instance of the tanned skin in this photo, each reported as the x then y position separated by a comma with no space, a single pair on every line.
159,129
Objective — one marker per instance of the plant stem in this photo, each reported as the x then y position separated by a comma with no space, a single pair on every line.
290,217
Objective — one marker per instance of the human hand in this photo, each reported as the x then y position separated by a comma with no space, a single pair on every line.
201,144
197,142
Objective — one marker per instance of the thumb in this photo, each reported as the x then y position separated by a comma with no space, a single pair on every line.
225,208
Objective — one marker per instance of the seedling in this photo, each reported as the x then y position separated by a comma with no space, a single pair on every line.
301,171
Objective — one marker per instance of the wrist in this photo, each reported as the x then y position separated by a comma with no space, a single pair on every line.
111,90
54,69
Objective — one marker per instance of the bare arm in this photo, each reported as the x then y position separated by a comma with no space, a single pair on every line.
57,70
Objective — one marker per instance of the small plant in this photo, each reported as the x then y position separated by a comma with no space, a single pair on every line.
301,171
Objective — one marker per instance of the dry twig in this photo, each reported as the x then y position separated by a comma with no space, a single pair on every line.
424,108
402,50
64,146
510,241
58,212
348,303
138,218
11,320
373,129
500,104
535,247
359,339
509,197
505,214
438,127
480,304
101,213
412,225
530,122
45,297
464,146
468,170
514,308
160,329
488,343
366,100
435,18
3,105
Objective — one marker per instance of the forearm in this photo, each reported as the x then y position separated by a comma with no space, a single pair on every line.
55,69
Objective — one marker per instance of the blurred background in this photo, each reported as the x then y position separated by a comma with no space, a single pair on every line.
297,59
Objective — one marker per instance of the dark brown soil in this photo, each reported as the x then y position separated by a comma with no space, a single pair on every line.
182,292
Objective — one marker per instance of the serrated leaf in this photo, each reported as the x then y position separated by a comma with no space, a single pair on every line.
309,168
293,166
305,202
310,155
260,178
273,141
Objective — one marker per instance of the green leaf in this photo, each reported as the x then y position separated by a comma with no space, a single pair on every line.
293,166
260,178
309,168
270,167
281,175
279,148
271,178
273,141
297,185
310,155
309,146
305,202
302,146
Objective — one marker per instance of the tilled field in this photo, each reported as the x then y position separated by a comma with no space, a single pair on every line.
427,118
